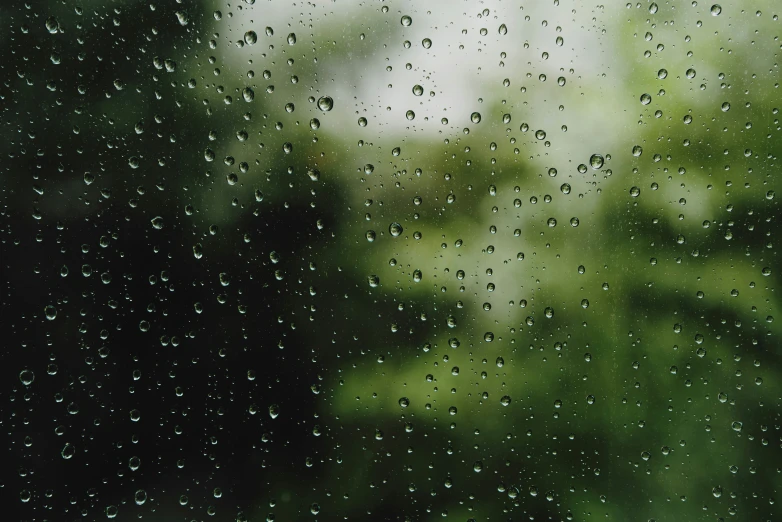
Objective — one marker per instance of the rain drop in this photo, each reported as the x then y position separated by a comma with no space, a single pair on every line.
325,103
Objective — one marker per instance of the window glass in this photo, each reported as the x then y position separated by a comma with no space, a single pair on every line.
390,260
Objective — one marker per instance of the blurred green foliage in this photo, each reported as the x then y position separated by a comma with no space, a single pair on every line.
547,338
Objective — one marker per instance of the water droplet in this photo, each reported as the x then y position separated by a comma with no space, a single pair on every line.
27,377
157,222
292,39
404,402
410,115
646,99
395,229
52,25
418,90
503,29
475,117
68,451
662,74
373,280
716,491
540,134
596,161
325,103
248,94
565,188
637,151
716,9
407,21
477,466
182,17
50,312
250,37
652,8
725,107
274,411
426,42
635,192
690,73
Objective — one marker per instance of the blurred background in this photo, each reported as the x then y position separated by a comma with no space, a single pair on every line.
390,260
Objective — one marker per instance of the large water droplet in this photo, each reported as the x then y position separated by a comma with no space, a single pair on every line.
27,377
52,25
182,17
325,103
395,229
51,312
157,222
